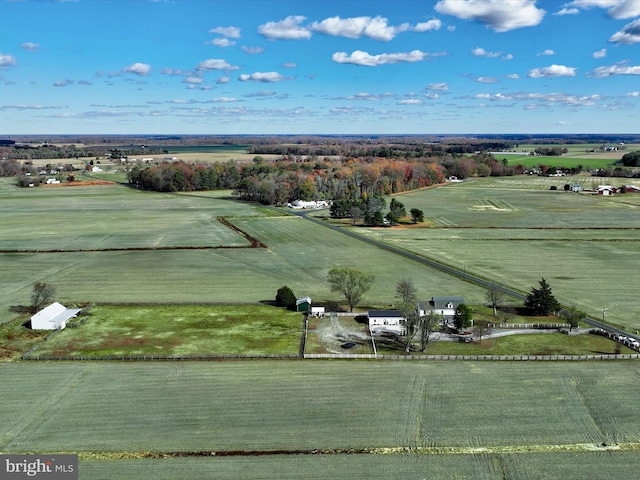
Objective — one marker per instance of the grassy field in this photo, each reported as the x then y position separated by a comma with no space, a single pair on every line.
530,417
514,231
181,330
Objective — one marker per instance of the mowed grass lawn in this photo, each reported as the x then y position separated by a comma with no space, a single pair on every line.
473,419
176,330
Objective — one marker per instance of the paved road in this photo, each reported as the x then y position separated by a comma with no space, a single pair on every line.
462,274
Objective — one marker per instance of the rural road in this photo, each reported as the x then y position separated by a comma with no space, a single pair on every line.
463,275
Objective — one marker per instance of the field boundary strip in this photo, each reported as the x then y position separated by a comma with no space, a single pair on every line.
443,450
341,356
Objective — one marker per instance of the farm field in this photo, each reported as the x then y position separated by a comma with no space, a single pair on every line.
549,417
514,231
180,330
115,246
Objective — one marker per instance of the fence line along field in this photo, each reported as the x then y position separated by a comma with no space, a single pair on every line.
526,416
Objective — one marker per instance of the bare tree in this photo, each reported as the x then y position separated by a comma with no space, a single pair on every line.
428,324
573,316
42,294
406,292
482,328
494,297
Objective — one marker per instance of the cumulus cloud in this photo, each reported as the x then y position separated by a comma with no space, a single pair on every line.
544,98
7,60
567,11
263,77
288,29
216,64
376,28
499,15
629,34
548,51
411,101
617,69
221,42
141,69
481,52
193,80
30,46
616,8
361,58
600,53
553,71
252,50
434,24
223,80
228,32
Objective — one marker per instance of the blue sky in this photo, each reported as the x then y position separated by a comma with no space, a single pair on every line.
325,67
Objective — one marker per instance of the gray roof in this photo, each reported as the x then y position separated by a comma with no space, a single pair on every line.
385,313
440,303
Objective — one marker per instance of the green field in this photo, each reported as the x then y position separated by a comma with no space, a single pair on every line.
514,231
450,419
176,330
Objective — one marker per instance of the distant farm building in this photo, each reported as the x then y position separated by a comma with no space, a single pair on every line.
386,321
53,317
303,304
606,190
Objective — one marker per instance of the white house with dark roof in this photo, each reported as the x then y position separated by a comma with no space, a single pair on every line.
386,321
53,317
441,305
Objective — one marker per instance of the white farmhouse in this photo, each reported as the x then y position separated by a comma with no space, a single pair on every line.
53,317
445,306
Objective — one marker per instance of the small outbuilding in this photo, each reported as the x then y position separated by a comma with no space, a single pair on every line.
53,317
386,321
303,304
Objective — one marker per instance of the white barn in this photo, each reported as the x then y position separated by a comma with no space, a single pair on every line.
389,321
53,317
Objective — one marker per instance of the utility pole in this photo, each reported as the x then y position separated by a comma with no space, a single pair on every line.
604,314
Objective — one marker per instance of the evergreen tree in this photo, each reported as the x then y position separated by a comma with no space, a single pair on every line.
285,298
541,301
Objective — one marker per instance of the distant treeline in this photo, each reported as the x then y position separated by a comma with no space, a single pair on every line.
332,178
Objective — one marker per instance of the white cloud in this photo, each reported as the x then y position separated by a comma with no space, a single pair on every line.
548,51
30,46
616,8
287,29
553,71
221,42
500,15
263,77
544,98
355,27
290,65
141,69
225,100
361,58
629,34
507,57
633,94
481,52
216,64
223,80
63,83
252,50
567,11
7,60
487,80
442,87
617,69
228,32
193,80
600,53
411,101
427,26
513,76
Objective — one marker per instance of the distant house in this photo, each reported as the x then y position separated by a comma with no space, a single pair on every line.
606,190
445,306
52,181
317,311
576,187
53,317
631,188
386,321
303,304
